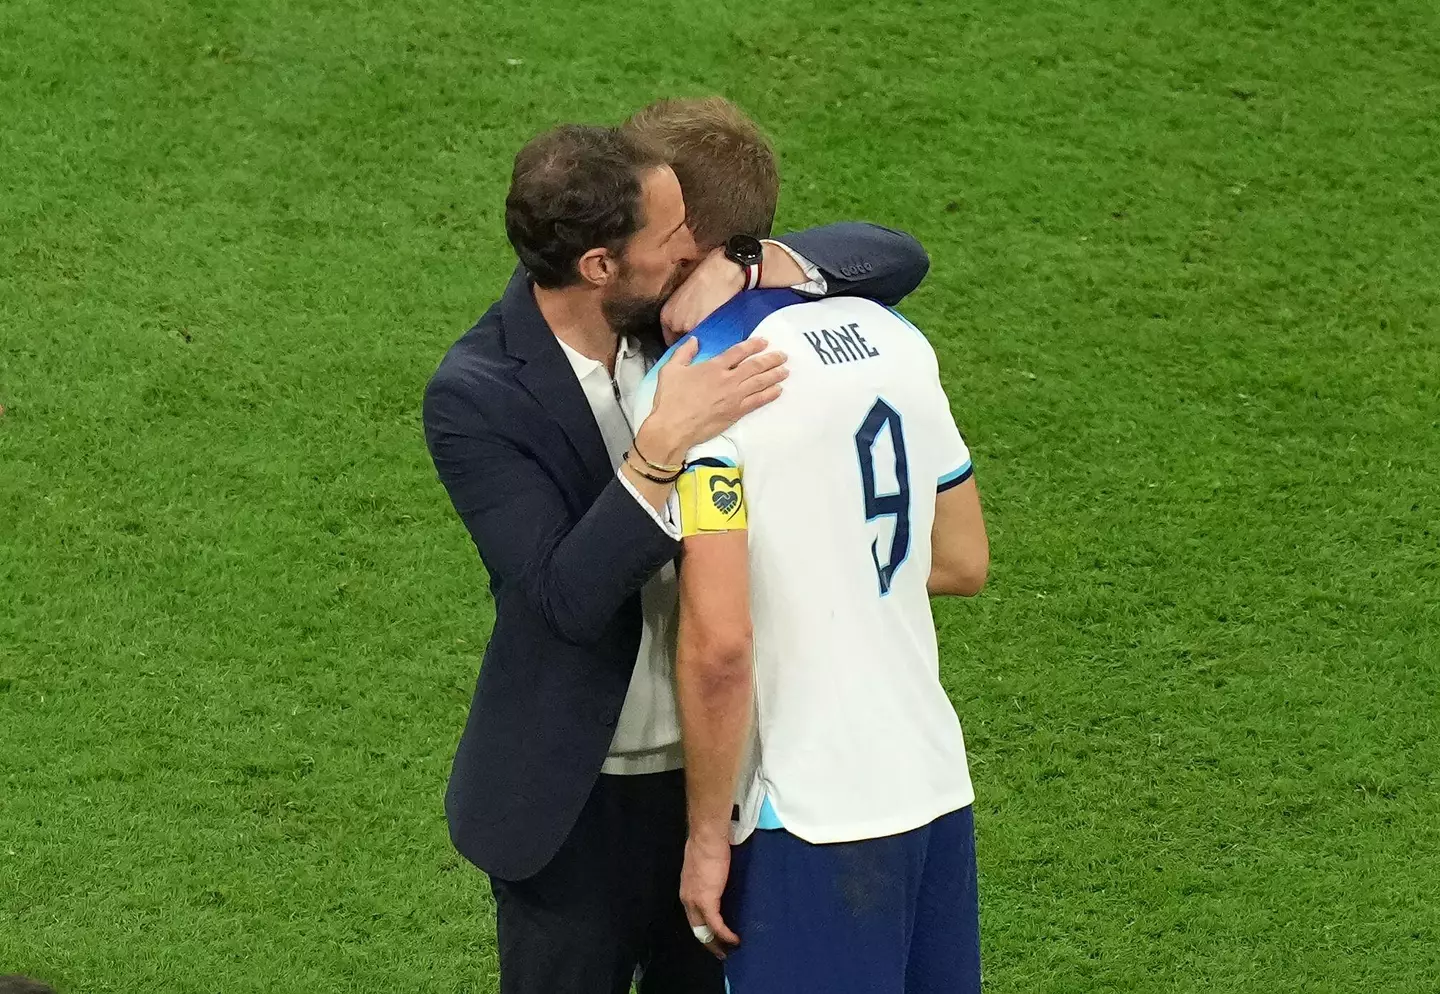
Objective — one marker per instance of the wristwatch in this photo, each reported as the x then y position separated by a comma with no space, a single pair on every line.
747,253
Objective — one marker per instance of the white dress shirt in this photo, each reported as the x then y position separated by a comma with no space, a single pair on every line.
647,737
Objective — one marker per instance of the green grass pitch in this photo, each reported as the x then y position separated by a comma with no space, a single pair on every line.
1185,295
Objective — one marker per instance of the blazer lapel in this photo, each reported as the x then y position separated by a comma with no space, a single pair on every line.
548,376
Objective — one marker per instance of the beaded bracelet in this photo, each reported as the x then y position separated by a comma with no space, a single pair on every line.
664,480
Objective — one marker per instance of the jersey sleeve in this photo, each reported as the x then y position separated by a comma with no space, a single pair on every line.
954,454
709,497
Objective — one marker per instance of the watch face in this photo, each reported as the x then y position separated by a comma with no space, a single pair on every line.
744,249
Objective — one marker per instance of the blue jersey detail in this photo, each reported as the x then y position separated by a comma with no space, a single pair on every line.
956,478
769,820
735,321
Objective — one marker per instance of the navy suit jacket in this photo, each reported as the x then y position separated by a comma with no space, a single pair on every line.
567,549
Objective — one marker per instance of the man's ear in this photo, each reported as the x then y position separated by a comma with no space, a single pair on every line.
599,267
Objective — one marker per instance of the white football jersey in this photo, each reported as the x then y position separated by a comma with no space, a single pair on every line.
836,481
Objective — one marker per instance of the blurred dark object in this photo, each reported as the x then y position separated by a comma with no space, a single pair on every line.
15,984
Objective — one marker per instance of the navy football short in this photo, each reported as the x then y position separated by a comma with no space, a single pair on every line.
897,915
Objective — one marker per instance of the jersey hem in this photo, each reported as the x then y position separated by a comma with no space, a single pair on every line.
878,828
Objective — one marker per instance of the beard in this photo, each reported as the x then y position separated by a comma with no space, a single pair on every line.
638,316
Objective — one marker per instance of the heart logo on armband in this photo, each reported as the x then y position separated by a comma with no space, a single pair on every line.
724,496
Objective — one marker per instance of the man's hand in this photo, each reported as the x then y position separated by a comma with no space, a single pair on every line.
694,402
713,282
702,884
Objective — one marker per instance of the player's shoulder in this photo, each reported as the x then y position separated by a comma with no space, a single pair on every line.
845,331
843,308
738,318
732,323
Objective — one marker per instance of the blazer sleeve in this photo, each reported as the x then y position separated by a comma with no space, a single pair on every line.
863,260
574,574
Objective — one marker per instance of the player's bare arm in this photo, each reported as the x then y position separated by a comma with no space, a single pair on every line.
960,548
716,696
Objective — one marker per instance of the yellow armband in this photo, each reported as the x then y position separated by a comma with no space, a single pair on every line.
712,499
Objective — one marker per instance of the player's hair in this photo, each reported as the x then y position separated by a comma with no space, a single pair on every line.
15,984
725,164
574,188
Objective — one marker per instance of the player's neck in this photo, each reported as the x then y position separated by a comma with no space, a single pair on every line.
575,316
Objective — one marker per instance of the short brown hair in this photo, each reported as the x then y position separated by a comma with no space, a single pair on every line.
574,188
725,164
14,983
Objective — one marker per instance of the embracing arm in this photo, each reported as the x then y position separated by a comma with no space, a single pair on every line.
863,260
850,258
575,574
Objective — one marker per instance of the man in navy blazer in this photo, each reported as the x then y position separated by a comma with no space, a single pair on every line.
565,788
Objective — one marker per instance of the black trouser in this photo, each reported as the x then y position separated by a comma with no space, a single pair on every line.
608,903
